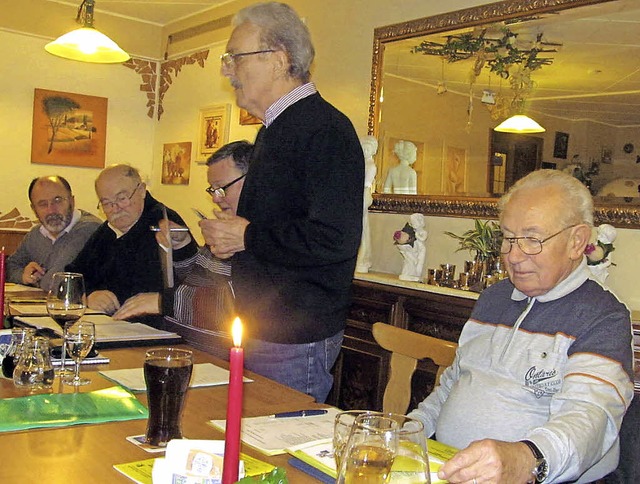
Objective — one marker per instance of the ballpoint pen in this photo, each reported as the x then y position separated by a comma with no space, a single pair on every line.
300,413
153,228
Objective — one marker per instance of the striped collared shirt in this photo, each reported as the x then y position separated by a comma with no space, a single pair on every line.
276,109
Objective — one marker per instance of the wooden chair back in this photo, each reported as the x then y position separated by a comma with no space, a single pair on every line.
407,347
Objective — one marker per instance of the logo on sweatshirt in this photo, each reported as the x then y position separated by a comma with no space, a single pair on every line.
542,382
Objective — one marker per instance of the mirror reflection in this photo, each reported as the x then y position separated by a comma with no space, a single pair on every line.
575,72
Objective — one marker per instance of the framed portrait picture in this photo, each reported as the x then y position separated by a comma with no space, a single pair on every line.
247,119
68,129
561,145
176,163
213,129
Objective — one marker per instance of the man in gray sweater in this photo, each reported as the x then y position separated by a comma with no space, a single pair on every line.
55,242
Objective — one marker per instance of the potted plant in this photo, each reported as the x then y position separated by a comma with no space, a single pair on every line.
483,241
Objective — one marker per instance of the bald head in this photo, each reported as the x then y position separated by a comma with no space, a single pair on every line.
121,194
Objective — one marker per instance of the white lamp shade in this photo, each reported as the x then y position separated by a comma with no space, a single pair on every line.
519,124
87,45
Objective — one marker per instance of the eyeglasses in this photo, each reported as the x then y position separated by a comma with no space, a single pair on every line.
228,59
528,245
122,201
220,191
54,202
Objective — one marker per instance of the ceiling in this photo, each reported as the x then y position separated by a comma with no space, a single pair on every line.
595,73
159,12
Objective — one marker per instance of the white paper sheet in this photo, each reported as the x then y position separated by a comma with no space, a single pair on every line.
204,375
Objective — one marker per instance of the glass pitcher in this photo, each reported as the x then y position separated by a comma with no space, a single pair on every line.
18,337
34,369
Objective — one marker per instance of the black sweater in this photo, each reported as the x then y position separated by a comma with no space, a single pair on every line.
303,199
130,264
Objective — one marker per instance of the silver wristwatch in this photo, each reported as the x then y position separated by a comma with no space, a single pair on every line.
541,469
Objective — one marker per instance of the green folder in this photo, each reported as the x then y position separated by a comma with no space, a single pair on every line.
63,409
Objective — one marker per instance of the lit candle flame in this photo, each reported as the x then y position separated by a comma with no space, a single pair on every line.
236,332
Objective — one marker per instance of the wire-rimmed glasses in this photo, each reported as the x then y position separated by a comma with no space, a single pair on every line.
528,245
220,191
228,59
122,200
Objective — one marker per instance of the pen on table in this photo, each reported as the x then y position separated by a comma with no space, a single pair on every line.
200,215
172,229
300,413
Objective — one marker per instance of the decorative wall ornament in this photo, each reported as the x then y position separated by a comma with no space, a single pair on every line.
156,90
148,70
68,129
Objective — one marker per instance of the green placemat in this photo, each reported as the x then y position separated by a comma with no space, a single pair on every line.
62,409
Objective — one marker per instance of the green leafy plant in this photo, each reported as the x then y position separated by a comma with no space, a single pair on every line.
484,239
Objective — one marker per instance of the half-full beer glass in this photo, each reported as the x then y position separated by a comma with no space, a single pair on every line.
167,372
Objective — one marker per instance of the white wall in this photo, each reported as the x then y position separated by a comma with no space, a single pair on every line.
130,132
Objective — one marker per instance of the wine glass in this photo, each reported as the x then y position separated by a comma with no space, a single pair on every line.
411,463
66,301
370,450
342,428
79,337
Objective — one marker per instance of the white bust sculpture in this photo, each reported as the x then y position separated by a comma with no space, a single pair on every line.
369,148
411,244
402,178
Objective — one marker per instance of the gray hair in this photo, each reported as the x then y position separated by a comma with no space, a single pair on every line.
239,151
282,29
577,199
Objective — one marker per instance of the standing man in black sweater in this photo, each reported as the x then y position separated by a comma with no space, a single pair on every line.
121,258
295,239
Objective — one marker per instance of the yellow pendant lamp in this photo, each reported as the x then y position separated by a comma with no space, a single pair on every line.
87,44
519,124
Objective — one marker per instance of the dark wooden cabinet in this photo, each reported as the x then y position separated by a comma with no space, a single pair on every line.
361,371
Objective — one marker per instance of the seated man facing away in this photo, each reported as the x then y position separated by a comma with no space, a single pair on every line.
201,306
61,235
121,259
543,373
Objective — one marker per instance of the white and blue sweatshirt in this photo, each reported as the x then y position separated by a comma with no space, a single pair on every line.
556,369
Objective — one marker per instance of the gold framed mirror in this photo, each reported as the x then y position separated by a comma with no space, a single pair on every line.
585,91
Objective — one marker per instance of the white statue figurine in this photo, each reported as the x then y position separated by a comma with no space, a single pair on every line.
369,148
411,244
403,179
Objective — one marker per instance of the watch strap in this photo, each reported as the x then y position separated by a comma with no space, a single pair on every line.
541,470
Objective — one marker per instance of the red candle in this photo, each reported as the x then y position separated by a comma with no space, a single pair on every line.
2,281
234,407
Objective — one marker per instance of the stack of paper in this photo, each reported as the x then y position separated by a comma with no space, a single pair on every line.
107,328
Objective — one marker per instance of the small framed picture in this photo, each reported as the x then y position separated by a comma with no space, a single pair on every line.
561,145
213,129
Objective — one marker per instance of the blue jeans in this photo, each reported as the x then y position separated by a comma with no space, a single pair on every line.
304,367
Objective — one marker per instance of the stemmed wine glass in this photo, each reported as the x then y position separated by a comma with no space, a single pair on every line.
66,301
370,450
79,337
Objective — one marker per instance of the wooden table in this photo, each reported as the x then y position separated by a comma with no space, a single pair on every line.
86,453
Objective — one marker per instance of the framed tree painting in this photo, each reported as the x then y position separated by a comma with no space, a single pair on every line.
68,129
213,129
176,163
561,145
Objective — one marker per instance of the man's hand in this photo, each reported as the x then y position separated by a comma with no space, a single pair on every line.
104,301
32,273
490,461
143,303
178,239
225,234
